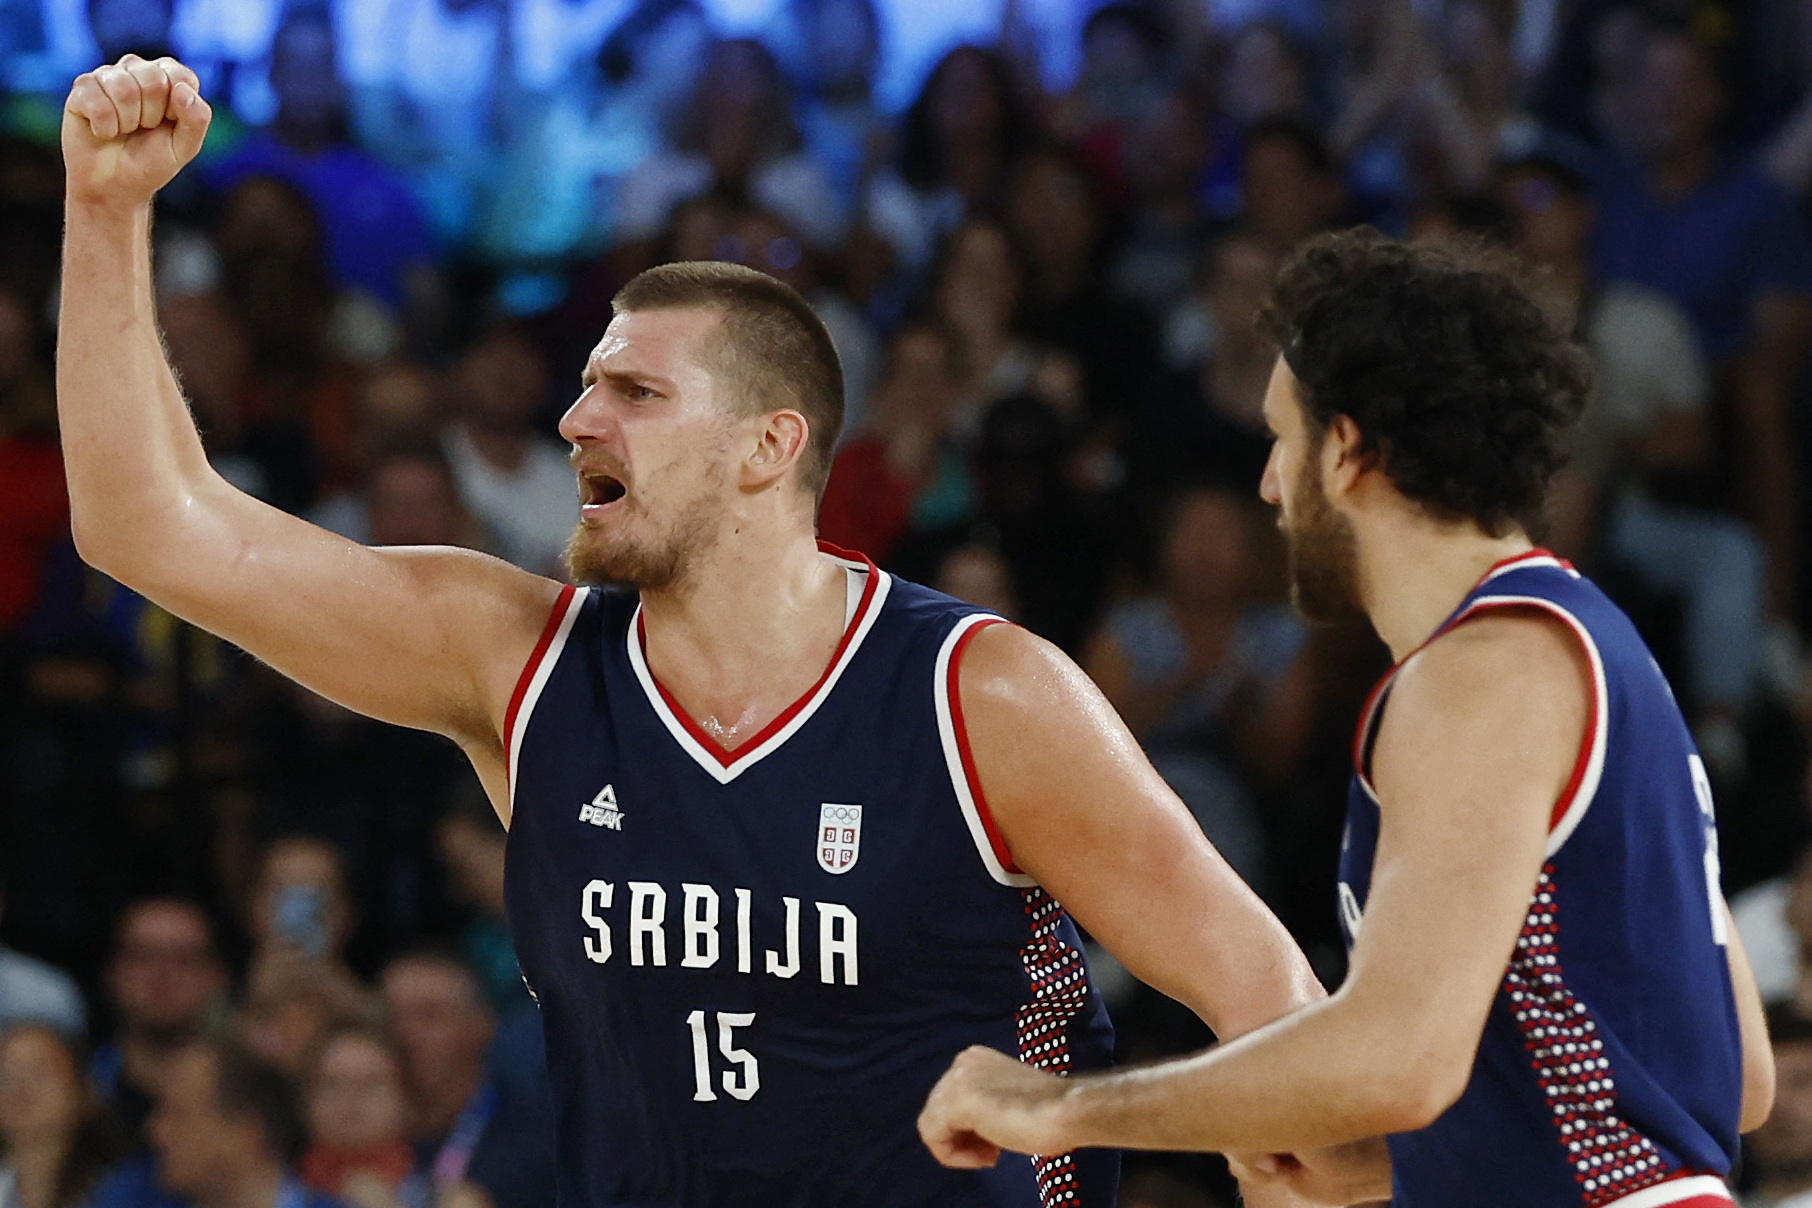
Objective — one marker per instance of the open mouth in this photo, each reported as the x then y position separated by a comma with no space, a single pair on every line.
598,491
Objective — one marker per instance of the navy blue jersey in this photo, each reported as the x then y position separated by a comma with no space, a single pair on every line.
1610,1070
753,965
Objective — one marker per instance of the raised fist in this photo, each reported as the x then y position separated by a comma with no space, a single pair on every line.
129,128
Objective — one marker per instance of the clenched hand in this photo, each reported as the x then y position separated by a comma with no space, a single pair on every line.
130,127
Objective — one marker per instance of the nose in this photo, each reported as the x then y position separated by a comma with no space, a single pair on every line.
586,419
1270,483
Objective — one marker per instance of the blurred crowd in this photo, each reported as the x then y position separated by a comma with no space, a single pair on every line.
254,950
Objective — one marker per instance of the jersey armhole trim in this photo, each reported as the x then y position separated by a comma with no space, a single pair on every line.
534,678
1582,785
960,760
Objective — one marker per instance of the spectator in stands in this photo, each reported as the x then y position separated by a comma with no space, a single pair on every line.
1057,221
1713,233
1289,183
1053,537
1647,426
470,1125
166,985
471,844
976,288
1782,1148
513,476
1167,230
975,573
836,45
1126,61
355,1100
300,918
297,411
55,1143
409,496
34,992
738,130
376,237
906,470
226,1130
1209,675
956,143
1204,418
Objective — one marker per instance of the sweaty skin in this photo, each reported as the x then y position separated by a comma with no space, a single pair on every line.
1481,735
435,638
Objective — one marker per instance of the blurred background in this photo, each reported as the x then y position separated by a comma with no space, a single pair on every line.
1039,233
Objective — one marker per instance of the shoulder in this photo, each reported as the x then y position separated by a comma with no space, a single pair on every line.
1509,661
1010,674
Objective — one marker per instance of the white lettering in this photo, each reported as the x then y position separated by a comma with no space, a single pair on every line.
647,922
744,952
836,937
700,915
750,1082
594,900
791,967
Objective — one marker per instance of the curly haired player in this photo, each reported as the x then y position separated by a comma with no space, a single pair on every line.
1547,1005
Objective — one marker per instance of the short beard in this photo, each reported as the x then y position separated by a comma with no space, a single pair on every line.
593,558
1323,555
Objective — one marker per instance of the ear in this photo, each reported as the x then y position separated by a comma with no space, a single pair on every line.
1344,458
781,438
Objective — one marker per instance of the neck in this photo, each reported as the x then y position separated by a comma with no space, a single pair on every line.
254,1187
36,1163
749,630
1414,571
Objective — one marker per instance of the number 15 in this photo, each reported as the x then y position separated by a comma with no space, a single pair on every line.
743,1087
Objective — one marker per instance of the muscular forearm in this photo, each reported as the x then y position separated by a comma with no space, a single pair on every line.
133,458
1306,1082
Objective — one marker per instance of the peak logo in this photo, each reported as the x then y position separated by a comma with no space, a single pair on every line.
602,810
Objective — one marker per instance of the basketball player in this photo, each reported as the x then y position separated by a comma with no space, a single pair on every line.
786,833
1547,1003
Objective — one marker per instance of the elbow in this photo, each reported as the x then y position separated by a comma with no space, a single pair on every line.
97,547
1415,1091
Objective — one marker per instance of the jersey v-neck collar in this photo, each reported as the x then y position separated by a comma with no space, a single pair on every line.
725,765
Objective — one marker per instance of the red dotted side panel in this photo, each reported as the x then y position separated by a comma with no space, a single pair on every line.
1609,1157
1059,993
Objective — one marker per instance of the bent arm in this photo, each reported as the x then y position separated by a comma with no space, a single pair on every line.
1083,812
1482,733
427,638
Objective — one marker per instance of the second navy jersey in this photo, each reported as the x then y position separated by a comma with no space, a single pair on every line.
752,966
1610,1069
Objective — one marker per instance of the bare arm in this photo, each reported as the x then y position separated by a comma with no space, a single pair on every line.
430,638
1083,812
1481,735
1752,1023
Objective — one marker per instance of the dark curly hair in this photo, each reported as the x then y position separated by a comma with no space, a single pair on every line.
1460,378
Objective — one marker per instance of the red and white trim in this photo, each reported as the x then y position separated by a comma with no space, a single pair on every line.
1526,561
960,760
723,765
534,676
1681,1191
1588,768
